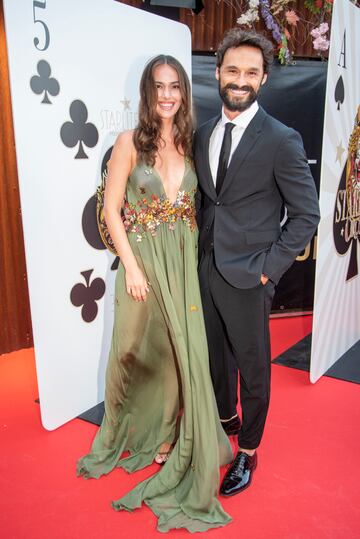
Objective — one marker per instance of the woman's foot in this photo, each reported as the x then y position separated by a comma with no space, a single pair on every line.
163,454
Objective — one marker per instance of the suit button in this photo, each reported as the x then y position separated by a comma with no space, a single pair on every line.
217,203
212,244
207,228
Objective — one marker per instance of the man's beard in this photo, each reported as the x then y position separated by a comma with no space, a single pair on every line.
237,104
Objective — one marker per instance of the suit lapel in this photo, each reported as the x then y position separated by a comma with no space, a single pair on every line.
247,142
208,182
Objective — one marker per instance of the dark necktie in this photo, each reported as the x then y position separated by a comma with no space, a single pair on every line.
224,156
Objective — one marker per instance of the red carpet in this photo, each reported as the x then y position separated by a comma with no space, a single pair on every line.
307,485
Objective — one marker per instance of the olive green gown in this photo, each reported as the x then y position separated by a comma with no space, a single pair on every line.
158,385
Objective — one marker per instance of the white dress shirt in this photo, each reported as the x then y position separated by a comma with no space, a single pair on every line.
241,122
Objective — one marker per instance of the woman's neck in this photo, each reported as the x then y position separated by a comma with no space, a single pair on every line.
167,130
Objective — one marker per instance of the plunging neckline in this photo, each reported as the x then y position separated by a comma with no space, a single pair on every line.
157,173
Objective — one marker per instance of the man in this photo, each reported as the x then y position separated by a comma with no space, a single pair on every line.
248,166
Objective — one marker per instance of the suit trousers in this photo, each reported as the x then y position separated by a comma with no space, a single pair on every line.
237,327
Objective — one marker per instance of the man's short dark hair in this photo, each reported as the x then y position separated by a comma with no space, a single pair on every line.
236,37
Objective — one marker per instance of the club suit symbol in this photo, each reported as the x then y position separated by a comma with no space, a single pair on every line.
87,296
79,130
43,82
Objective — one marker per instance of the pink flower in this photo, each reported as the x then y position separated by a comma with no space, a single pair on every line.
323,28
291,17
315,33
320,31
321,43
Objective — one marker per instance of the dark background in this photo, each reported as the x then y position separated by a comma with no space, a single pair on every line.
295,95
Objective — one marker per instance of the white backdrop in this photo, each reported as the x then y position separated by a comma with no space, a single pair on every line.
336,324
89,53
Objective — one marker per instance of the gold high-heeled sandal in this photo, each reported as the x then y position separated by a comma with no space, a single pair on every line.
163,456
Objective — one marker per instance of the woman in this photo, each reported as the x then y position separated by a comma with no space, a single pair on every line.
159,401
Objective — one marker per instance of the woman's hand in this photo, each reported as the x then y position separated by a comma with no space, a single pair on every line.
136,284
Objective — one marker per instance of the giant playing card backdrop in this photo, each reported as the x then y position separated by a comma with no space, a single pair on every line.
337,286
74,72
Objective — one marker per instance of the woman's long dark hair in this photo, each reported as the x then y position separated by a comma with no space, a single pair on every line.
147,135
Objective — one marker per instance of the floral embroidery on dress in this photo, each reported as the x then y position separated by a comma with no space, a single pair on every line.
147,215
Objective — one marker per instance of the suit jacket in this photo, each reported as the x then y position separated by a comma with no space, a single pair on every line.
269,168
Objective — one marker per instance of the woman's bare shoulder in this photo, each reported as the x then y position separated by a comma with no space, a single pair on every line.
125,140
124,145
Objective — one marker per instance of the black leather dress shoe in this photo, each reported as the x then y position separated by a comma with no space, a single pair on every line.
239,475
232,427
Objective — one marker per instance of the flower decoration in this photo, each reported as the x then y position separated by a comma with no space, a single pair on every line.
148,215
269,20
319,6
282,21
273,15
320,41
268,13
291,17
251,15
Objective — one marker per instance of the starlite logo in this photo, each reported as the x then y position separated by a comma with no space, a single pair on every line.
346,226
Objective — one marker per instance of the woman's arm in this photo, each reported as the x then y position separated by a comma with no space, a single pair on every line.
120,166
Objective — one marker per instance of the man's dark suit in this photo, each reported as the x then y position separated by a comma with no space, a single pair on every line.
240,239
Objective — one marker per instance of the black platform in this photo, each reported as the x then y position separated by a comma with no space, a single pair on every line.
94,415
347,367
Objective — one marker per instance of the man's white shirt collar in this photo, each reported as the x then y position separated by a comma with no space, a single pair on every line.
243,119
241,122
